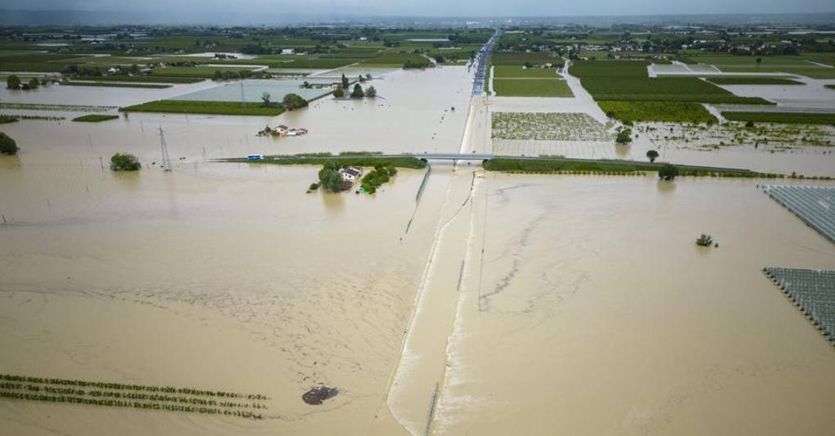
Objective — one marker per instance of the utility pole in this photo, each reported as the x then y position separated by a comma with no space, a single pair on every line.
166,161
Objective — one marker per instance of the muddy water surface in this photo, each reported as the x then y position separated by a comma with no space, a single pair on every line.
592,311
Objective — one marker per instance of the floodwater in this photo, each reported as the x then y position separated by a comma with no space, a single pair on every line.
586,308
216,276
513,304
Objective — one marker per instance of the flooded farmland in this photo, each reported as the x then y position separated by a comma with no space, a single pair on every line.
585,308
514,303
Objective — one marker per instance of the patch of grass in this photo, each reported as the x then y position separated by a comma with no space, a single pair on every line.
520,58
531,88
780,117
116,85
556,165
95,118
832,87
363,160
517,71
199,72
6,119
205,107
608,69
753,81
665,111
394,59
142,79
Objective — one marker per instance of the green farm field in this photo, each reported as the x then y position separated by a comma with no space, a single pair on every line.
781,117
205,107
515,71
531,88
666,111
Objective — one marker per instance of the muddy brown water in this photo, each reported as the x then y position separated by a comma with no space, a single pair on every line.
590,310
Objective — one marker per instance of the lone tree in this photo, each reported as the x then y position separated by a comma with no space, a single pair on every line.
371,92
13,82
345,82
7,144
339,92
652,155
357,92
667,172
265,97
124,162
624,136
294,101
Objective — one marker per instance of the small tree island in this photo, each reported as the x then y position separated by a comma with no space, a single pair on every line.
124,162
7,145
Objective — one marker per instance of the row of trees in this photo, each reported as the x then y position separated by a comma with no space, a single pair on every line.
14,82
358,92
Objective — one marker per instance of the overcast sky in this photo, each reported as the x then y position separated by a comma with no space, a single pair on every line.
536,8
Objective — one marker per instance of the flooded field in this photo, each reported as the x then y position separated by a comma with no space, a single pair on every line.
591,311
513,304
218,276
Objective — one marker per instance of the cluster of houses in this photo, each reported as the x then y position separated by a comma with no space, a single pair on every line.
282,130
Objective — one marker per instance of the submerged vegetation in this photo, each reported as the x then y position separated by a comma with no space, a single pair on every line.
164,398
95,118
561,165
704,240
668,172
7,144
666,111
547,127
124,162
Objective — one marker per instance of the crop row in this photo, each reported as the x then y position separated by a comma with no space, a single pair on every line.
55,107
70,399
126,395
129,387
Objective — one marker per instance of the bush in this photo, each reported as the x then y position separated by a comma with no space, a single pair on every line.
7,144
294,101
667,172
371,92
652,155
377,177
704,240
624,136
13,82
124,162
339,92
357,92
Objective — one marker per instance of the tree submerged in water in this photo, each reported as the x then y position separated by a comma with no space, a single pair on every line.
7,144
124,162
705,241
667,172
